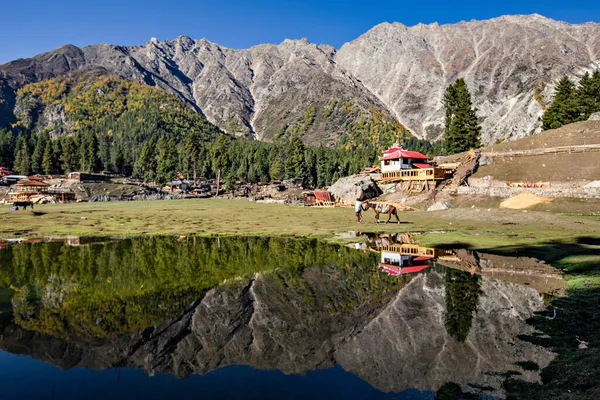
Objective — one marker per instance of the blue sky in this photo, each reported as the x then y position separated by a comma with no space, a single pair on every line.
28,27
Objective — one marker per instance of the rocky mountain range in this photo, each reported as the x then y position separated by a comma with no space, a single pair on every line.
510,65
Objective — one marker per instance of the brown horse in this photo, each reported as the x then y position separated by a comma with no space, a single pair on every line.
385,208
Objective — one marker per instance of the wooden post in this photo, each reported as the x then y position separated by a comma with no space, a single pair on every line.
218,181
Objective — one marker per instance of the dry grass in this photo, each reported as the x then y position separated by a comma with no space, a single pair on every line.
478,226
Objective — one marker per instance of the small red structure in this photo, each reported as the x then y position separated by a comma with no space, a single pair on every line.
4,171
422,165
318,198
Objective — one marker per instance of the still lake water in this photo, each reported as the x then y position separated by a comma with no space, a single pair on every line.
262,318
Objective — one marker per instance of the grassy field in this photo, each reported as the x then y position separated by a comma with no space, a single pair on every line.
480,227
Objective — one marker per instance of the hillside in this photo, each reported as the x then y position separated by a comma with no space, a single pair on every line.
101,122
93,121
562,166
397,71
261,91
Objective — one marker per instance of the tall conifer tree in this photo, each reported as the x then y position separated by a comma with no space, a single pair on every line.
462,131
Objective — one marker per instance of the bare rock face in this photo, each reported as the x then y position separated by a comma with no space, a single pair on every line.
510,64
504,61
350,188
244,92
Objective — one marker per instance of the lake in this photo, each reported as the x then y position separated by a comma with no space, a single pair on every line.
259,318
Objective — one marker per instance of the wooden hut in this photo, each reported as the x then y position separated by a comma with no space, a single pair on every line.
318,198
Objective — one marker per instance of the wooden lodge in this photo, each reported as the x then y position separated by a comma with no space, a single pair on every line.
27,188
413,250
399,165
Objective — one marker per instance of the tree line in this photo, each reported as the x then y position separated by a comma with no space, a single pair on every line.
159,157
122,127
573,103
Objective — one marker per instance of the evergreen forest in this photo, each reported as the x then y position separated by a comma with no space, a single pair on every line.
104,123
573,103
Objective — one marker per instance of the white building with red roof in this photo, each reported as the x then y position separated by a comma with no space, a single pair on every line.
396,158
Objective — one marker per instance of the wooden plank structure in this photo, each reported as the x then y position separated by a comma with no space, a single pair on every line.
414,174
407,249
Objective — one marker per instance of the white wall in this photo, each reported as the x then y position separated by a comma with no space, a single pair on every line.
395,165
394,259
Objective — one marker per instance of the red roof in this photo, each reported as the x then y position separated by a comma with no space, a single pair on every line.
422,258
422,165
323,195
397,152
396,270
414,268
29,182
390,269
392,150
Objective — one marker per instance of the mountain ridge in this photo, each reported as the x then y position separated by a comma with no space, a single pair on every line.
399,70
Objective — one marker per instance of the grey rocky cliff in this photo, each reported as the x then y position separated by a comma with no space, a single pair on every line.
400,70
502,60
256,90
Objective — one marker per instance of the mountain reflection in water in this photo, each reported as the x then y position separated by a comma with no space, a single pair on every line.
326,313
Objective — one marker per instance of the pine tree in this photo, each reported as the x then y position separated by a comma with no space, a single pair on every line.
220,154
276,170
145,165
48,161
564,109
69,158
41,140
22,162
588,95
295,163
462,298
6,148
89,152
323,168
193,145
104,147
462,131
56,152
166,160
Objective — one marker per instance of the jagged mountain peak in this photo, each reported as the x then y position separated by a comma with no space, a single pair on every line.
503,60
400,70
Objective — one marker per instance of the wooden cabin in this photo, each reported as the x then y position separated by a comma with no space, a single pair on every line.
27,188
176,186
396,159
398,164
